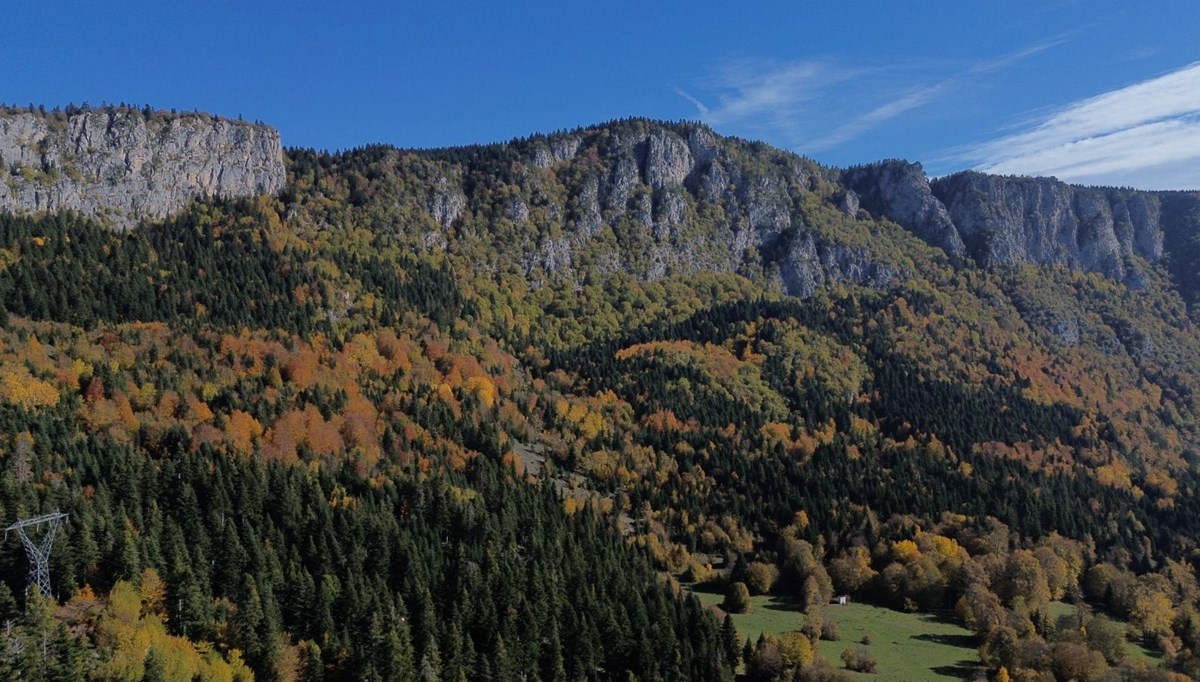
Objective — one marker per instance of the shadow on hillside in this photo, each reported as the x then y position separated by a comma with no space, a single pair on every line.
962,641
707,588
781,604
962,670
944,617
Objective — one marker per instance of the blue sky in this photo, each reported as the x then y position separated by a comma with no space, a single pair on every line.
1095,91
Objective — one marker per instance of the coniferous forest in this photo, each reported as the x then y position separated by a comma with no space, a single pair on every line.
337,434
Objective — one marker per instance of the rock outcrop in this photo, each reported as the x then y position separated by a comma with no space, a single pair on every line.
900,192
123,166
649,198
1042,220
997,220
679,198
809,266
654,199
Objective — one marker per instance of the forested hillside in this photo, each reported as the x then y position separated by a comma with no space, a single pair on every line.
477,413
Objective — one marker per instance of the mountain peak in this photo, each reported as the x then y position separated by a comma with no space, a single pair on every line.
125,165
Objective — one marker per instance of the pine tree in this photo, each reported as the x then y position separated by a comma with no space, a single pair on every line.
253,633
399,655
154,670
431,663
8,604
312,668
737,598
129,562
730,643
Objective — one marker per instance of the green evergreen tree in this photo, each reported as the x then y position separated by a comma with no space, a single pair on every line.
129,561
9,610
737,598
154,671
399,655
731,646
252,632
311,668
430,669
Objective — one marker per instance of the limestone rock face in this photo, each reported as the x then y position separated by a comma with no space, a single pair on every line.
849,204
652,199
660,199
1137,221
668,160
559,149
810,265
1042,220
123,166
1011,220
998,220
900,192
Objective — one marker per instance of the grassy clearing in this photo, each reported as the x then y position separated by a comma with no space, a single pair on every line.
910,647
1132,649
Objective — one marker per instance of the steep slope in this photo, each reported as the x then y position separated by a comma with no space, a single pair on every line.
669,199
757,368
635,196
900,192
654,200
1007,220
1041,220
124,165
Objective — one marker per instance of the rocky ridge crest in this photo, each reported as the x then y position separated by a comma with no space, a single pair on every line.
1000,220
649,198
123,165
649,184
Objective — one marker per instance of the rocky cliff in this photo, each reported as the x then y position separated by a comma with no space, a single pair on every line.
1004,220
1041,220
900,192
655,199
647,198
122,165
650,198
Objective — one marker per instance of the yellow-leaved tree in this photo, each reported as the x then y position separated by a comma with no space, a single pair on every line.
131,626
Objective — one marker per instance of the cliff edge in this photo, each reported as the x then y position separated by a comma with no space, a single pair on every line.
123,165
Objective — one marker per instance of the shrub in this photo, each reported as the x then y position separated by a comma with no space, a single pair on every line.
859,660
737,598
795,650
821,671
761,577
830,631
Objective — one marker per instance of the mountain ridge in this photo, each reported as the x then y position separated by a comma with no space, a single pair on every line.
378,356
126,165
769,211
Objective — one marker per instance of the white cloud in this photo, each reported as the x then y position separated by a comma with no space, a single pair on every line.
1145,135
864,122
700,107
766,99
814,105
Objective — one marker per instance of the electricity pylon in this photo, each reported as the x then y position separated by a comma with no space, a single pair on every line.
39,553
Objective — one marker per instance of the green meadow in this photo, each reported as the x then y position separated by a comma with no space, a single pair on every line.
910,647
1132,649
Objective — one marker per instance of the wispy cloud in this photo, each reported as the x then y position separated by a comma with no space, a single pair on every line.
884,112
815,105
1145,135
768,99
700,107
1002,62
